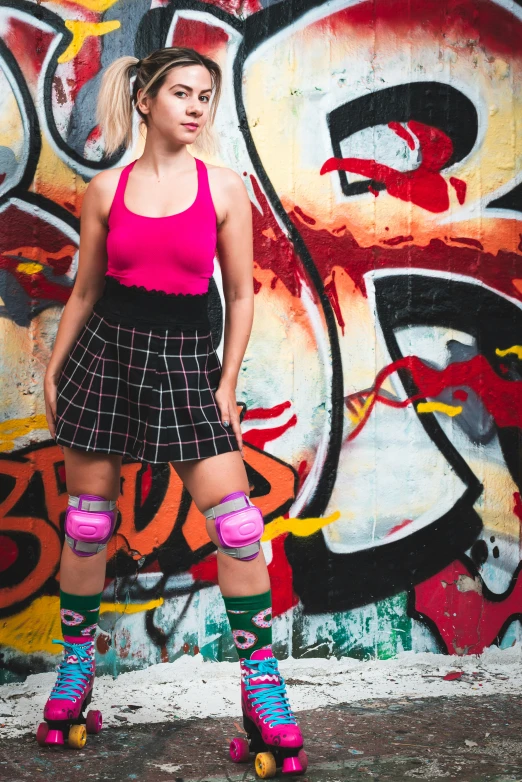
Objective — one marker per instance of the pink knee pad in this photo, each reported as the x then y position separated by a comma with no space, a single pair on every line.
239,526
89,523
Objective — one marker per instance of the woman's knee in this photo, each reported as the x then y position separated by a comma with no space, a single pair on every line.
91,514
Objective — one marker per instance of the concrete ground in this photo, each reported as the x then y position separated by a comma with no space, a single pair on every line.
460,737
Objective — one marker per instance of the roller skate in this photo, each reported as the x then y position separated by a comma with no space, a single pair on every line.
64,716
272,731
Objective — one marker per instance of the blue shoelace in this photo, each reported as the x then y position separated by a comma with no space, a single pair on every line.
72,677
271,698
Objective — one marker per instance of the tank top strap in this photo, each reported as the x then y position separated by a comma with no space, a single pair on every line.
204,194
118,201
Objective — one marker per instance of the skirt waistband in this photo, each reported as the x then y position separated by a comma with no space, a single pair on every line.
131,305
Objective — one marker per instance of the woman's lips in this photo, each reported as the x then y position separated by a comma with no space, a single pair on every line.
190,125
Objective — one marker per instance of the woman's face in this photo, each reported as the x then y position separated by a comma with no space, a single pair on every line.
180,110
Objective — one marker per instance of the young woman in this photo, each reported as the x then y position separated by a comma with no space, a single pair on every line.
134,372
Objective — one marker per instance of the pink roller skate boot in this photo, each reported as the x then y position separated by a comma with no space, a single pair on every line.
64,711
272,730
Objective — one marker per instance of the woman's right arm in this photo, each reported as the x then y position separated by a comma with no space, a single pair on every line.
88,286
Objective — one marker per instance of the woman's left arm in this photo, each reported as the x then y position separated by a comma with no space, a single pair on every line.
235,253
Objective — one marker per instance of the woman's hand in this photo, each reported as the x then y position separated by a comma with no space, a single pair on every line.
226,400
50,386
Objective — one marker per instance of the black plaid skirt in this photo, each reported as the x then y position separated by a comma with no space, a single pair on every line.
143,390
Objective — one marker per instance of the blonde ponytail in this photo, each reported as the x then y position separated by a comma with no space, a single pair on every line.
114,108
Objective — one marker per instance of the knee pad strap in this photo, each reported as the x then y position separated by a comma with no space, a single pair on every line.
89,523
239,526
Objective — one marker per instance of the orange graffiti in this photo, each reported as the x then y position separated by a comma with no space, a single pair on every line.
32,511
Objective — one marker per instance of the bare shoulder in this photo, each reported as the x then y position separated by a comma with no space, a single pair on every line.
105,182
226,179
101,189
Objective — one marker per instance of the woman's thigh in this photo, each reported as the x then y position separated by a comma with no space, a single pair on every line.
92,473
209,480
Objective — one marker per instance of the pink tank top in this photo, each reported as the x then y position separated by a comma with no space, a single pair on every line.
174,254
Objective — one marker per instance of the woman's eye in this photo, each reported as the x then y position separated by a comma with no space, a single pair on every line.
180,93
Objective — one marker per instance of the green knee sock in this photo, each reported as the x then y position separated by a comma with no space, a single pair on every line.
251,622
79,615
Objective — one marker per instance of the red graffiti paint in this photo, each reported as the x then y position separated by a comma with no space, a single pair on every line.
305,217
501,398
206,570
517,508
272,248
239,8
208,38
468,241
27,44
331,292
266,412
460,188
398,527
281,579
327,250
468,21
402,132
423,186
260,437
302,471
460,395
397,240
146,483
467,621
8,552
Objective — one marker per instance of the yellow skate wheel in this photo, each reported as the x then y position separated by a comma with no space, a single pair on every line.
265,765
77,736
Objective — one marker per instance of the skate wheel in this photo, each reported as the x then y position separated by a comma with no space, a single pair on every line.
77,736
94,722
41,733
303,759
265,765
239,750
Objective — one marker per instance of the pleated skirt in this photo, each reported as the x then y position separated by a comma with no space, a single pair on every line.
146,393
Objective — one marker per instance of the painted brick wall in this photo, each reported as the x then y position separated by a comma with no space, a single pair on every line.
381,143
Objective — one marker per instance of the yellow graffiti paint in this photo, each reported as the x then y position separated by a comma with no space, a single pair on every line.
357,415
33,629
130,608
81,31
29,267
17,427
439,407
514,350
302,528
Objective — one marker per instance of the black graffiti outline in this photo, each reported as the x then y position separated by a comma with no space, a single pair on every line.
318,502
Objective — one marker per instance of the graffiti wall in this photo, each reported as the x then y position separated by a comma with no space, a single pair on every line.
381,393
